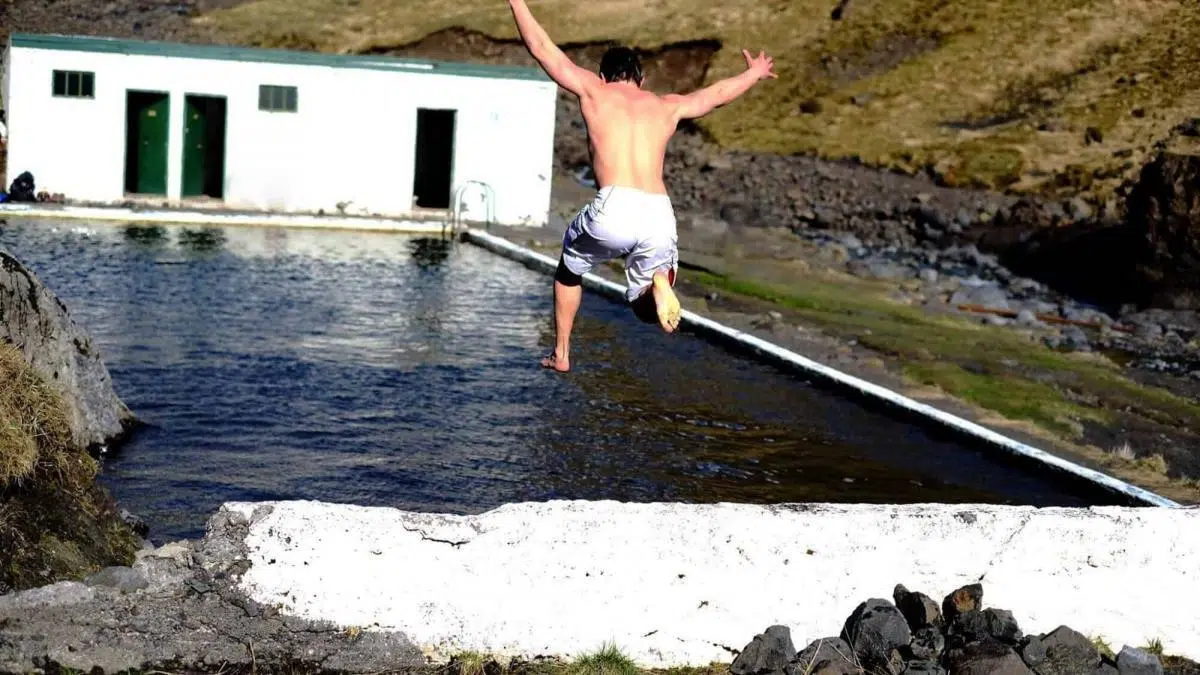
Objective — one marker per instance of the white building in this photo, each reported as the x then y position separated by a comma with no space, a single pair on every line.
109,121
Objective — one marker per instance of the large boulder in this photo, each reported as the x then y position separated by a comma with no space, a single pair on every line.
34,320
1164,207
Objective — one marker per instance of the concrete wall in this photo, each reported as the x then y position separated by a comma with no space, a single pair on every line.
677,584
352,139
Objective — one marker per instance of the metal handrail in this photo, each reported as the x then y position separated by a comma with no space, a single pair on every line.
489,200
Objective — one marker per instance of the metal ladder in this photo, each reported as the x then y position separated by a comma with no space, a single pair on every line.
489,197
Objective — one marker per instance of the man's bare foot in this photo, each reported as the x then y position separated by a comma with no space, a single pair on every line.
666,303
552,361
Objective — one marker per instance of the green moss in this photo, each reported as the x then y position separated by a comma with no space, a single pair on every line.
996,368
1013,397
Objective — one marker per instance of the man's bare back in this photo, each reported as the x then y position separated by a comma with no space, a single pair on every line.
631,217
628,131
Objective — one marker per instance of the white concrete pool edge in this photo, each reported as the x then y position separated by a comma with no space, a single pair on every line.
684,584
178,216
779,355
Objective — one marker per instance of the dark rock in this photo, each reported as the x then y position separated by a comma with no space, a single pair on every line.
966,627
966,599
985,657
1164,209
1061,652
1133,661
59,350
927,643
874,630
744,214
825,217
1093,135
1106,668
1002,625
924,668
828,656
769,652
139,526
811,106
918,609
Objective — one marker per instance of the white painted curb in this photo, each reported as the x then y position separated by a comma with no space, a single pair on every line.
677,584
780,356
180,216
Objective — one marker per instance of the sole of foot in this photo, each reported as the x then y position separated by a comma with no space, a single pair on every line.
667,303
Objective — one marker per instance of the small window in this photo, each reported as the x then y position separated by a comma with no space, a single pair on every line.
74,84
276,98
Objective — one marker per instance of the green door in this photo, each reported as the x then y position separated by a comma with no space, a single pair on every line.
147,128
203,146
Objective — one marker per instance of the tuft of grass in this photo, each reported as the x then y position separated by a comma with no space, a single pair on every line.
1124,452
608,660
1155,647
1103,647
967,85
468,663
56,522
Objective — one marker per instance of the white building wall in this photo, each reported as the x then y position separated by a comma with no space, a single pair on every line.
352,139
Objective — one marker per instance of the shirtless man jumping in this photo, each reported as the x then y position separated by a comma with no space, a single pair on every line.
631,214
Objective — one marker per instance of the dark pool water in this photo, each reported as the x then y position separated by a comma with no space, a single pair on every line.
395,370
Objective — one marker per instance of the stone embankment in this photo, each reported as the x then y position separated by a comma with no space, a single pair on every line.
34,320
325,587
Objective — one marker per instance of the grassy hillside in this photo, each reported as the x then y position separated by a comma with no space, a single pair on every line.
999,93
56,522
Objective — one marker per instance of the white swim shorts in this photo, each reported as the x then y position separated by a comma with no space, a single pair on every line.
624,221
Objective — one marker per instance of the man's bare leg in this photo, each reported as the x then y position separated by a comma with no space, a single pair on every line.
568,296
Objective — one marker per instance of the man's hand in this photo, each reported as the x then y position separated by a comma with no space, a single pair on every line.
760,64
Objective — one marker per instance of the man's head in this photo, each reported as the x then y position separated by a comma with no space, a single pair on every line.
621,64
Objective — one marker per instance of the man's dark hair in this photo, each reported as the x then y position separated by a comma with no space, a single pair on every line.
621,64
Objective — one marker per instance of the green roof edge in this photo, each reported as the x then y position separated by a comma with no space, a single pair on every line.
86,43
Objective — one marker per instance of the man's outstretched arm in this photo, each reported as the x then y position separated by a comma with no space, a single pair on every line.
561,69
703,101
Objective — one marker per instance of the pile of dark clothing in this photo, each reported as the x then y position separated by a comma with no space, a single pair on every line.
22,189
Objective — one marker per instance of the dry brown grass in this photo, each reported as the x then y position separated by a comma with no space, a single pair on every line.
960,85
33,422
56,522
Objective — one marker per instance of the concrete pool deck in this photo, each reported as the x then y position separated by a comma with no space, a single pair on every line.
179,216
681,584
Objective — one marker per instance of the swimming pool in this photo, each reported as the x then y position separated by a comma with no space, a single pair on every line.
383,369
